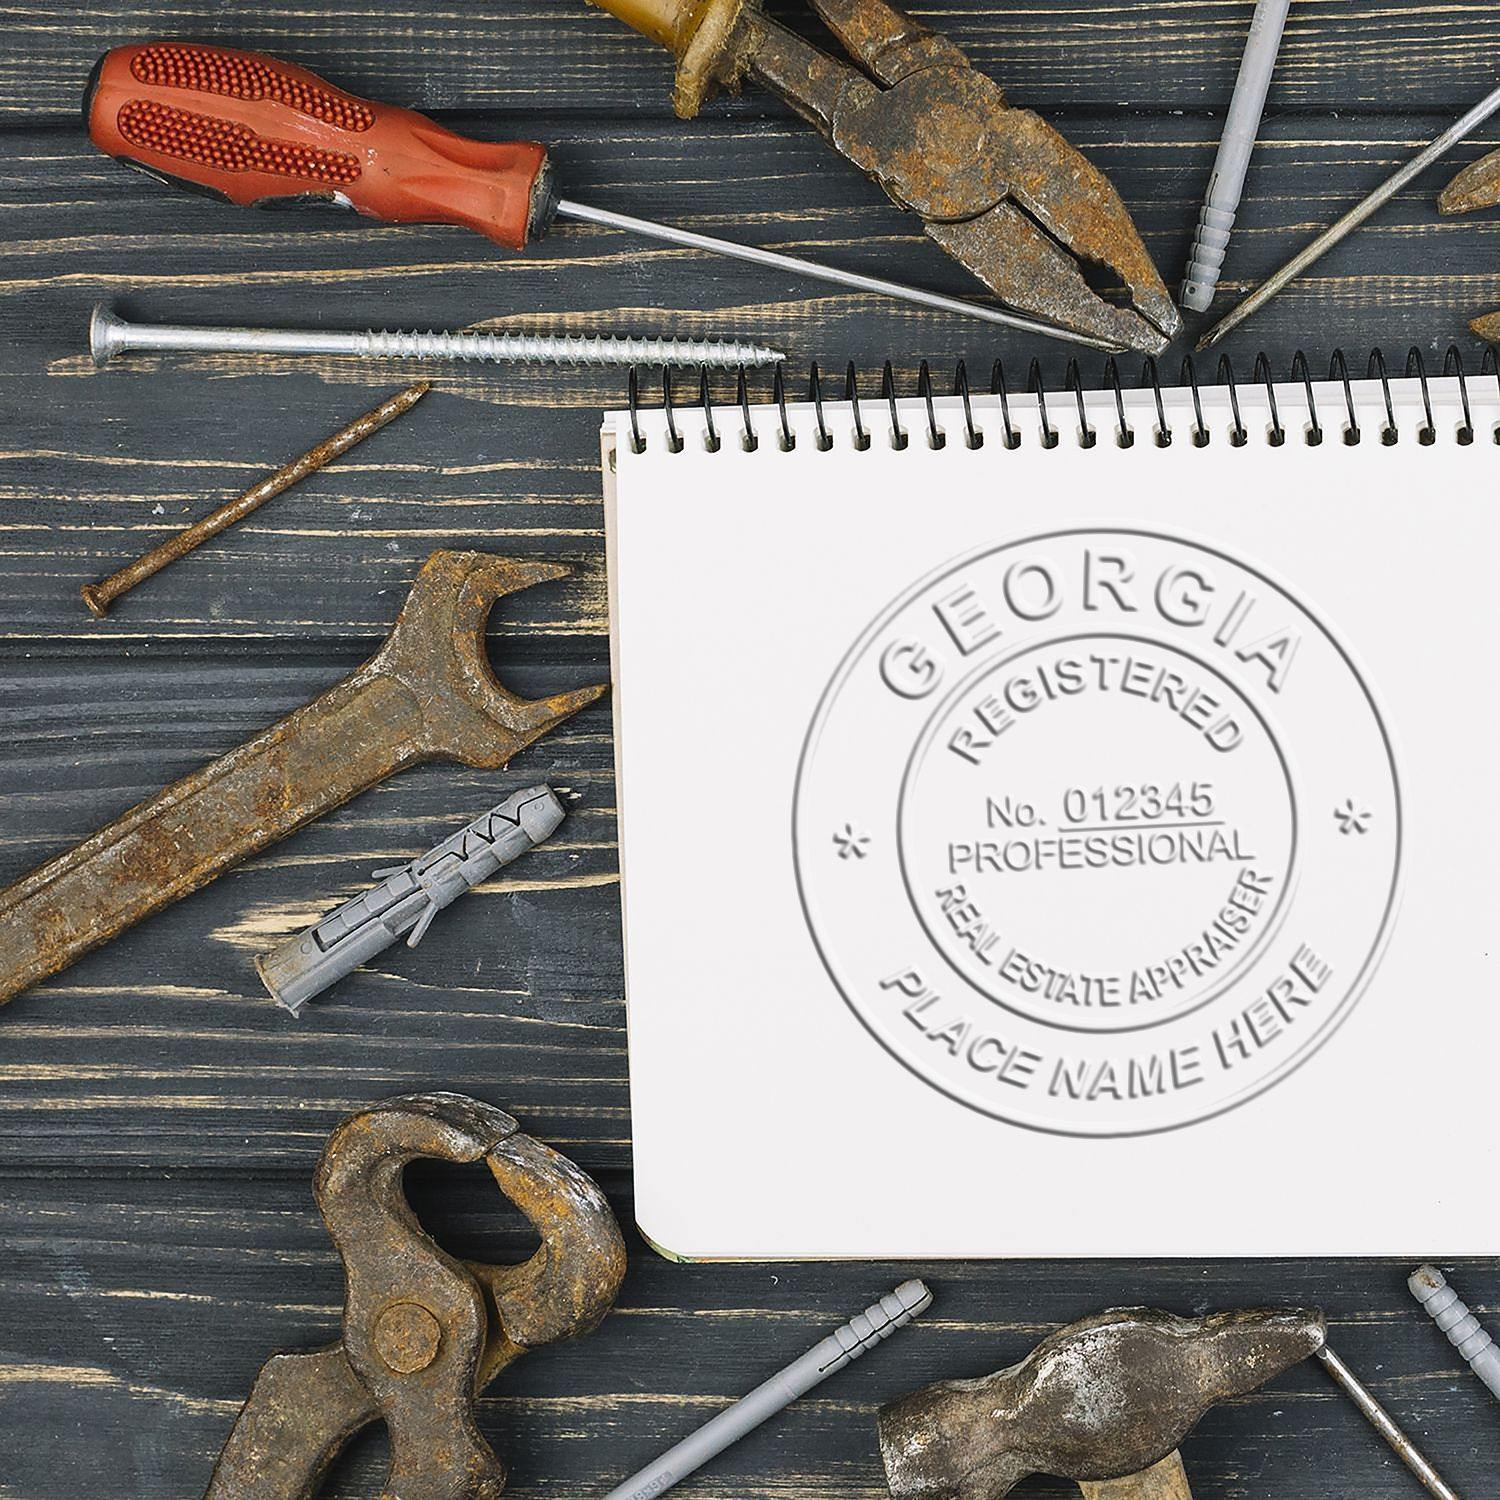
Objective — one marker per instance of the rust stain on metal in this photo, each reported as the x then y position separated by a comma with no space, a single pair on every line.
99,596
1487,327
1476,187
996,187
1105,1399
429,693
423,1333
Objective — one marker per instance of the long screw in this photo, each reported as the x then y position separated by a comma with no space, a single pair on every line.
110,334
99,596
1354,218
1385,1424
1444,1306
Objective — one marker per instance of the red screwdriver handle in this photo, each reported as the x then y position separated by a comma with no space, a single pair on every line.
259,131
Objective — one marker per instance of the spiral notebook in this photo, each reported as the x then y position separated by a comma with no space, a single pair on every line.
1062,824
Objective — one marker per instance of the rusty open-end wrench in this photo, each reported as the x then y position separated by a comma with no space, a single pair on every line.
428,694
423,1333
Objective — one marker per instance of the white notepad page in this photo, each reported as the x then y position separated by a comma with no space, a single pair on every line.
1072,850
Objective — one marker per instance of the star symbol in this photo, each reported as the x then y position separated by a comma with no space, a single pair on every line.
851,844
1352,818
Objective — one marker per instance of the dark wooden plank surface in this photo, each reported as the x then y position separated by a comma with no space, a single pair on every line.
565,58
159,1118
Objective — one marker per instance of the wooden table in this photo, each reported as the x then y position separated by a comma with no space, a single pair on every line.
160,1118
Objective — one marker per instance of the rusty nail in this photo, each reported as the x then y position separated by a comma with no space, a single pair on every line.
99,596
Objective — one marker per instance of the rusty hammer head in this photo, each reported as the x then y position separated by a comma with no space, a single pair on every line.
1106,1398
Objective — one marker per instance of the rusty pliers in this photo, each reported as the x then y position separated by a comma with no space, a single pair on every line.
1476,187
423,1333
998,188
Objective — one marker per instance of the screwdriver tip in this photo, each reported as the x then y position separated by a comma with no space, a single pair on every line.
1209,339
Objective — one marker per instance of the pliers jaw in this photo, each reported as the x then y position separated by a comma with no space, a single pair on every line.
1476,187
998,188
423,1333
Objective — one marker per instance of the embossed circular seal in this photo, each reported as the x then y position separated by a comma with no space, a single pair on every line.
1099,832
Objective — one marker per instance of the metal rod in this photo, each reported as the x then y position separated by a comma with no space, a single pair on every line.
1354,218
795,264
1383,1423
110,335
99,596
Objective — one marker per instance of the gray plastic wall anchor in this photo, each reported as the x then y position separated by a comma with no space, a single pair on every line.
407,898
1430,1288
1206,259
1226,182
844,1345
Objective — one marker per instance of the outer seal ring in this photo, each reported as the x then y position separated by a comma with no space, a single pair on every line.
1325,935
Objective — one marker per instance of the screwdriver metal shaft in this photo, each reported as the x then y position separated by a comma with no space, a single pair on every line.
1356,216
169,108
567,209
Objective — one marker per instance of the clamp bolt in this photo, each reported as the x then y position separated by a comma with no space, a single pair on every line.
407,1337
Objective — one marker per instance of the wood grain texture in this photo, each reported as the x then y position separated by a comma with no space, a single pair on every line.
563,57
149,1309
159,1116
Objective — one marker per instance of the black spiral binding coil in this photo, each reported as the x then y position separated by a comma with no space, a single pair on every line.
1161,434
